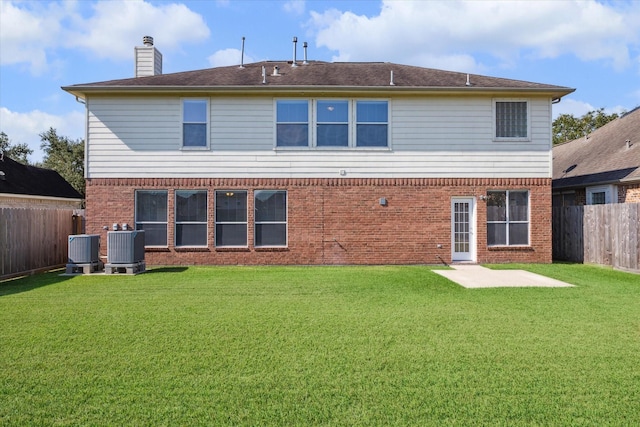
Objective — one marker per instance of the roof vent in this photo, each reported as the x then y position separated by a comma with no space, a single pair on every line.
276,71
3,177
468,83
391,83
295,48
629,144
242,54
147,40
304,46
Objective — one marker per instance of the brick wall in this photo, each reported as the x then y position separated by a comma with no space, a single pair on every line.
336,221
629,193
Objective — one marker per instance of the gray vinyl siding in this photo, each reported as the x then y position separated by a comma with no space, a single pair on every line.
432,137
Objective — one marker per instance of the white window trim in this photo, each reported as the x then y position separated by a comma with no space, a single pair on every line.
285,222
208,131
493,123
610,193
313,122
176,222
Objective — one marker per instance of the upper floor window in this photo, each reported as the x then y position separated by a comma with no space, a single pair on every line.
508,217
292,127
334,123
151,216
194,122
511,119
372,123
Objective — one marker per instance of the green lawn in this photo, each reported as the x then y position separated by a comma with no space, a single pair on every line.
319,346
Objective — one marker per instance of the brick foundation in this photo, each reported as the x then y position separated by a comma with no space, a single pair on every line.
336,221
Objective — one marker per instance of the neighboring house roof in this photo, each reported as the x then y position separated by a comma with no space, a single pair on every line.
318,75
610,154
25,180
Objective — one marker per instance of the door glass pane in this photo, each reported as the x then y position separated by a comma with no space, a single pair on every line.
461,219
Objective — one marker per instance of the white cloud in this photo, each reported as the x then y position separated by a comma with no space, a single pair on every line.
443,32
107,35
229,56
25,128
295,7
32,32
26,35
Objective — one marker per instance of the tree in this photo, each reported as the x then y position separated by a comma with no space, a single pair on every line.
65,156
17,152
566,127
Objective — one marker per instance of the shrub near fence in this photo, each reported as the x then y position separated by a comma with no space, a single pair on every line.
598,234
33,239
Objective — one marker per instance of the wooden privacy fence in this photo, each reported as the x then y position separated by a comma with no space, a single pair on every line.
598,234
33,239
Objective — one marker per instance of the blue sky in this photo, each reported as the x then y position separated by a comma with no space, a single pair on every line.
593,46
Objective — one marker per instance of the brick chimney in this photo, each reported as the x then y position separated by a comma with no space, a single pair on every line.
148,59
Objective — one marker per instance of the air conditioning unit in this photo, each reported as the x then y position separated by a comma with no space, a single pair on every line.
125,247
84,248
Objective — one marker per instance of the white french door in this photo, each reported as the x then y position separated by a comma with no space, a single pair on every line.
463,224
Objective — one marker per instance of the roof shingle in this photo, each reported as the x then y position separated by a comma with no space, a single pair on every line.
33,181
321,74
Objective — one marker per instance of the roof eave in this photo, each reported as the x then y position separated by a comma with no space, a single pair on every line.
81,91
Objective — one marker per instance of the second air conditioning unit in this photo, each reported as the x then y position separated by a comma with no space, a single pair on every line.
125,247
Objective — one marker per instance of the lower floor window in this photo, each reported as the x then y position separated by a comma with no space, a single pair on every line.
507,218
231,218
151,216
270,208
191,218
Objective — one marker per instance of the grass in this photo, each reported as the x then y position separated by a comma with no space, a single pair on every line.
319,346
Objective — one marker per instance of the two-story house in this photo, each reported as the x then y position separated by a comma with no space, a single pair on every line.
308,162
